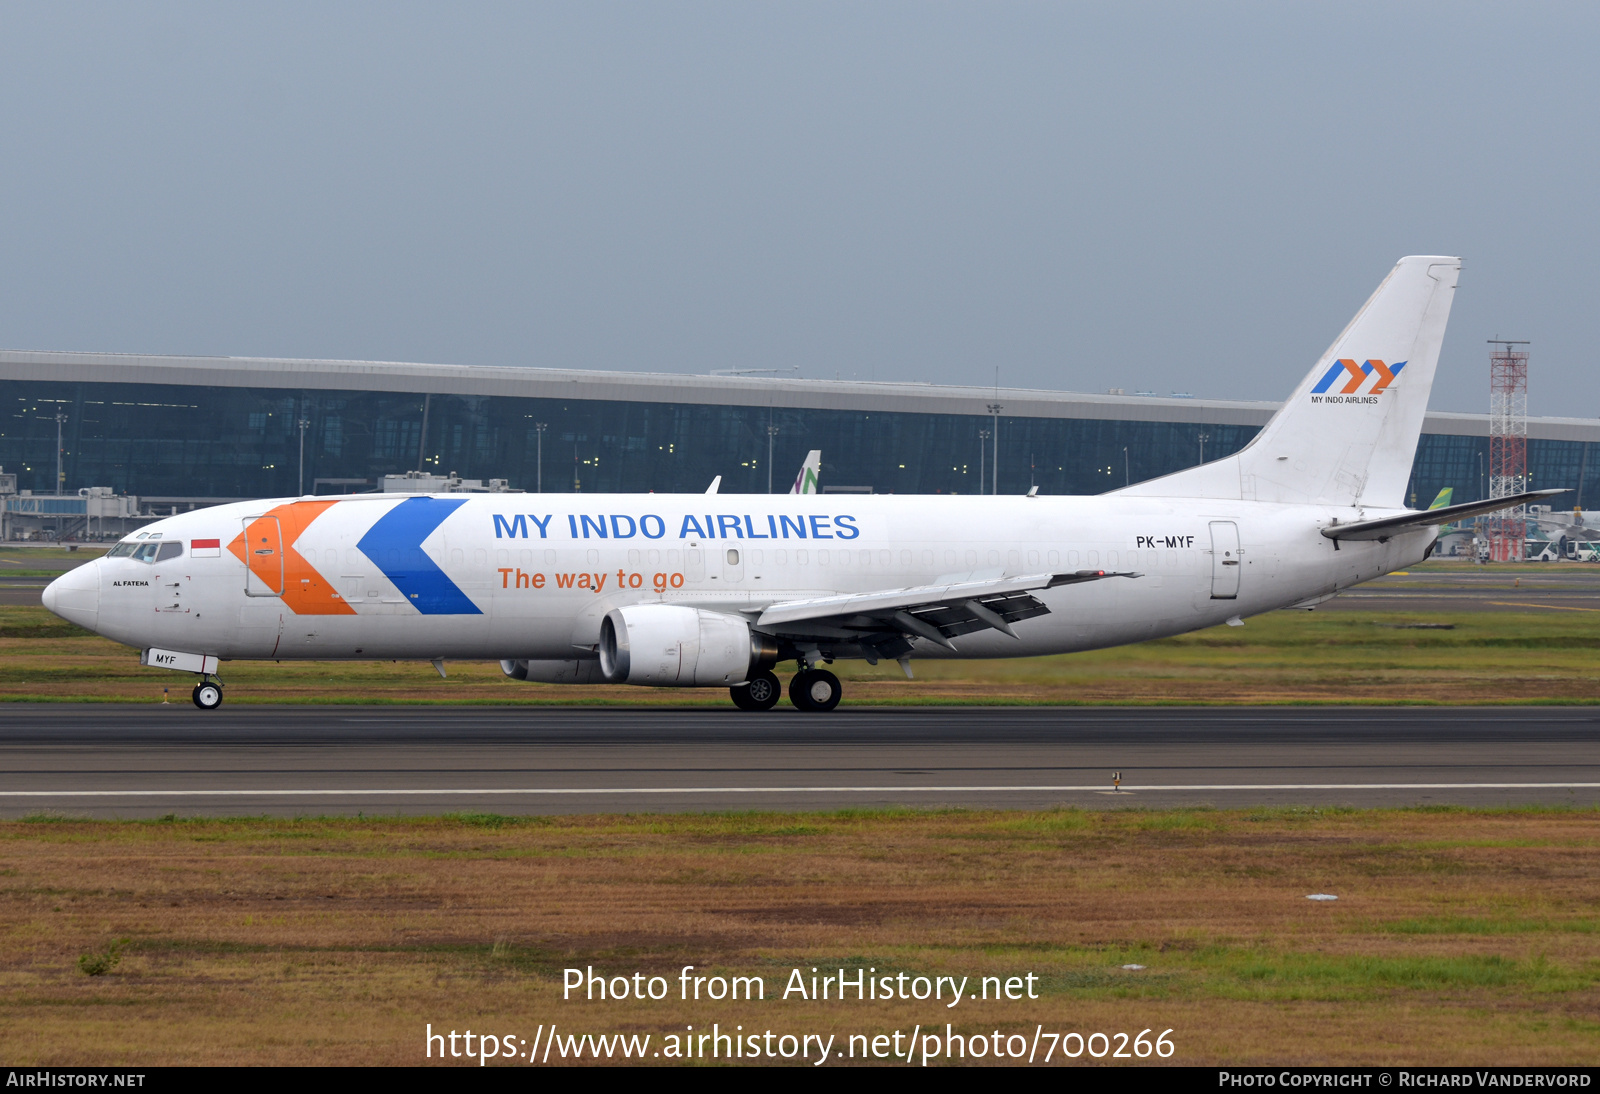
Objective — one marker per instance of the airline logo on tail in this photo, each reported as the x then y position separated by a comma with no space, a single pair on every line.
806,481
1352,378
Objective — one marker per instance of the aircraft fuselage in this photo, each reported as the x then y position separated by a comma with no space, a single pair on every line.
531,576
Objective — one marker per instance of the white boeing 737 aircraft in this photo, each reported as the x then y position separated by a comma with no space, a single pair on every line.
702,590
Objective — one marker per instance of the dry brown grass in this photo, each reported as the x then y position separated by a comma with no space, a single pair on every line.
1459,937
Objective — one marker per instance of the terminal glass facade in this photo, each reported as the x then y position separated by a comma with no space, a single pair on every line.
165,441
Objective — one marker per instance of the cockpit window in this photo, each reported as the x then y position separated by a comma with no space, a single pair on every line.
146,552
169,550
121,550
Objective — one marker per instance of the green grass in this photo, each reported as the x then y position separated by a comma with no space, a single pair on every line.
242,935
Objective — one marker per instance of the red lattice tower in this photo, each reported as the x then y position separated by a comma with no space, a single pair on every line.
1507,530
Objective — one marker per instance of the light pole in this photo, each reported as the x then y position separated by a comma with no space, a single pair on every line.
538,429
1204,437
983,455
61,476
1127,479
303,423
994,470
772,431
422,439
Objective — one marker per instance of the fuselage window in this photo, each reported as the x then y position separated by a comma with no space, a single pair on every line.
733,557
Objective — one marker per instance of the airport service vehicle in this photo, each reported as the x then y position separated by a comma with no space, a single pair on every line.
707,590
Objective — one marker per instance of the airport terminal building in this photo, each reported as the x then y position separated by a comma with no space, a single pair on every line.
184,431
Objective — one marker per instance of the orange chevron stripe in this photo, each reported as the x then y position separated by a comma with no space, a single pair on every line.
1356,376
305,591
1385,376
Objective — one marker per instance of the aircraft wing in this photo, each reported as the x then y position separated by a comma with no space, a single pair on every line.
1384,527
935,612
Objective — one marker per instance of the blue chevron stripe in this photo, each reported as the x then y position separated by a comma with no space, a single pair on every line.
394,545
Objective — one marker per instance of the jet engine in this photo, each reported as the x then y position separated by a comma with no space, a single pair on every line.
671,646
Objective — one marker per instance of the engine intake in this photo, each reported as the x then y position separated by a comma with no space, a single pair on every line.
671,646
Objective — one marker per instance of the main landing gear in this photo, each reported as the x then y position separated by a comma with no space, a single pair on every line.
815,690
207,695
811,690
761,692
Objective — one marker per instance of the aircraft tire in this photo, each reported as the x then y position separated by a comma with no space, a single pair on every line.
207,696
815,691
761,692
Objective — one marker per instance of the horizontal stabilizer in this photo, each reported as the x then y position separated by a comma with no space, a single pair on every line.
1385,527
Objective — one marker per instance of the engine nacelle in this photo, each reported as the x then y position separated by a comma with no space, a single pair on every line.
554,672
671,646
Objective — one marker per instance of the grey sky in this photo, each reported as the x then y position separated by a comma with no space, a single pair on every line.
1188,197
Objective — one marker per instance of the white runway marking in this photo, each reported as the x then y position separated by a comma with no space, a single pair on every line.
490,791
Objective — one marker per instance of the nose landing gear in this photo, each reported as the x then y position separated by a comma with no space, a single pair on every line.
207,695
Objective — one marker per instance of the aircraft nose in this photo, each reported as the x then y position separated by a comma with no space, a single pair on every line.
75,595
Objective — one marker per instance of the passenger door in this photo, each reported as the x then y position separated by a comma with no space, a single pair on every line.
263,552
1224,560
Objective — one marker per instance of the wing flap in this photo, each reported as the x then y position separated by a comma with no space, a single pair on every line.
935,612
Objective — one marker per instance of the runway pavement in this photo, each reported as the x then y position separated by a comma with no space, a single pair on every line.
101,760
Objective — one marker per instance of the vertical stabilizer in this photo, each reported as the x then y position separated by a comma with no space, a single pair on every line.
1348,434
806,481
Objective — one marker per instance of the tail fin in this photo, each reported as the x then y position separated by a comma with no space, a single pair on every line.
1348,434
1444,498
806,481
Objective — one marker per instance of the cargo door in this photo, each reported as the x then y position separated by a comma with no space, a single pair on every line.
1224,560
263,553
